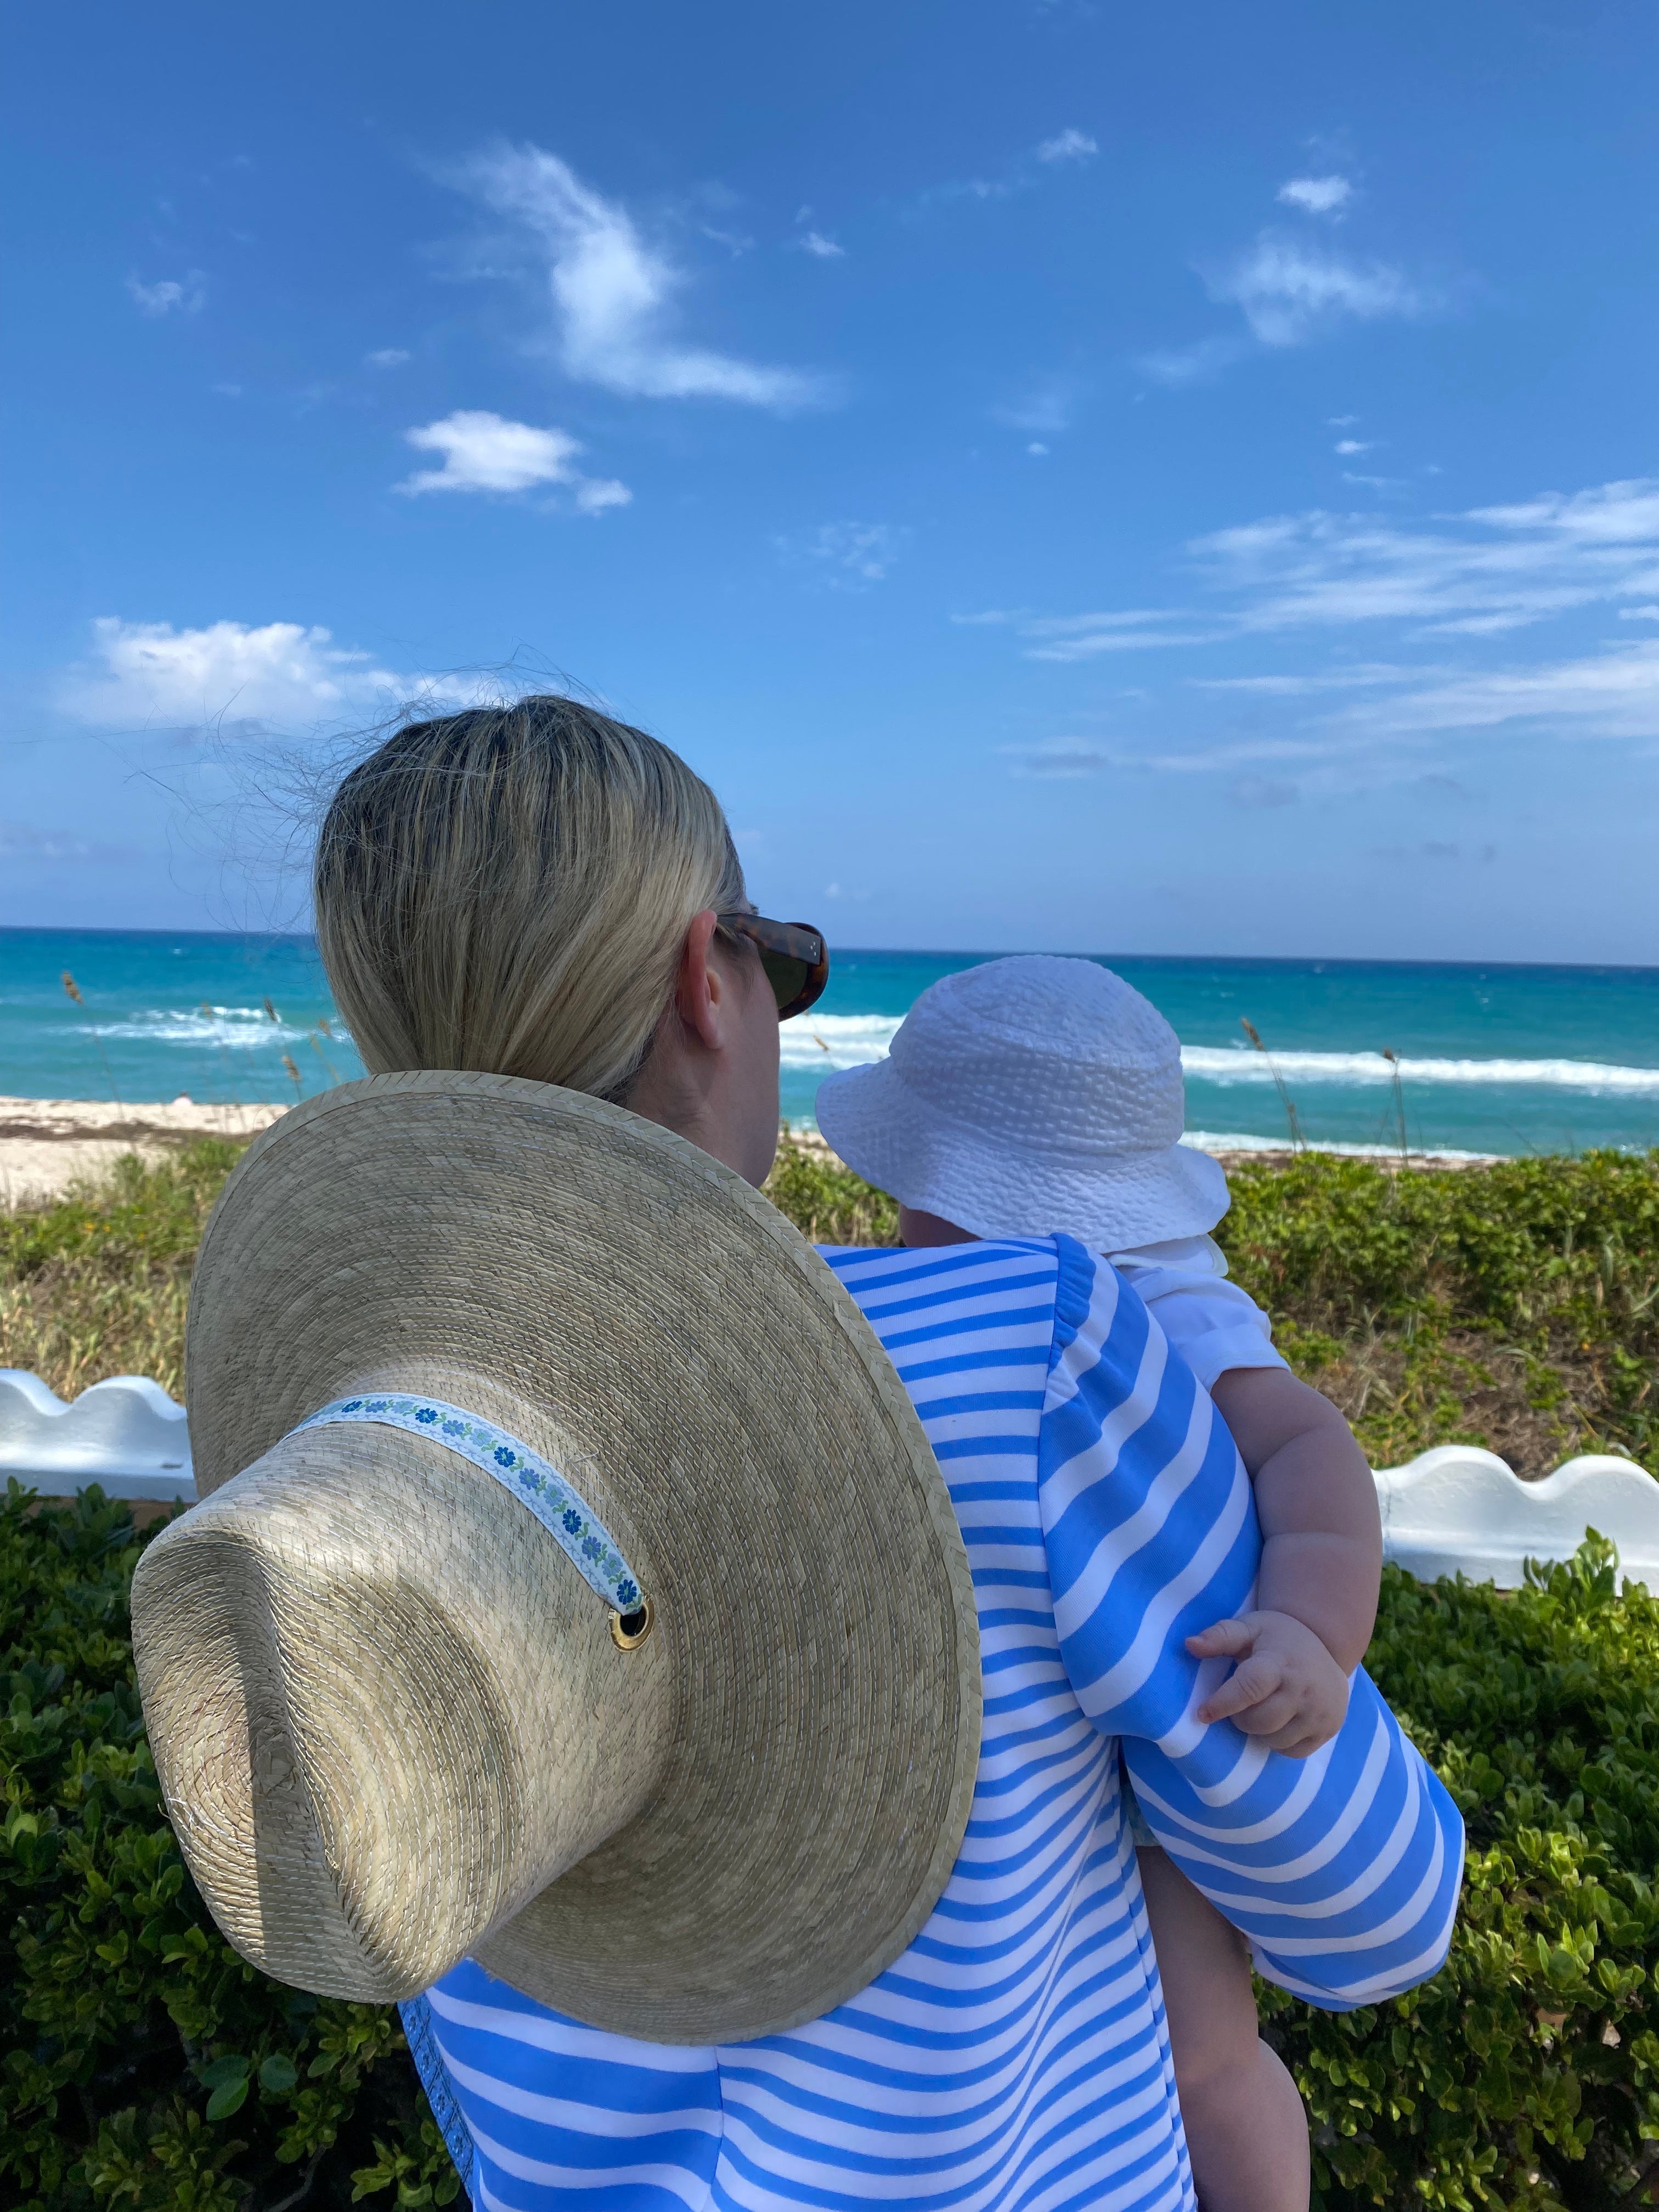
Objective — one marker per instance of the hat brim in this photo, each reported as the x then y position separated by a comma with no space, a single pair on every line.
1111,1201
644,1318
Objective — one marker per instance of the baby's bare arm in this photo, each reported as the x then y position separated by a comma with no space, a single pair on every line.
1322,1553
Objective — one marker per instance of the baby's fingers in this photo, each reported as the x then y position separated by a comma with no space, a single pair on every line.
1222,1639
1258,1678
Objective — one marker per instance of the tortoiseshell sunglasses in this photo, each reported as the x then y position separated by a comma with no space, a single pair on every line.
795,955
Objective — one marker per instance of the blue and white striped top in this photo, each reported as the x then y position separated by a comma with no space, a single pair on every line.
1014,2059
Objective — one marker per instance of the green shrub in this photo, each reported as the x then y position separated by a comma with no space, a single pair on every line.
1526,2073
145,2065
142,2063
1515,1305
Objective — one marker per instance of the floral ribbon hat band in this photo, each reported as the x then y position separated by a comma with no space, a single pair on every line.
581,1535
696,1769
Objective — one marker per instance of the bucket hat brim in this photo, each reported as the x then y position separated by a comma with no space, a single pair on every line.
1112,1201
639,1316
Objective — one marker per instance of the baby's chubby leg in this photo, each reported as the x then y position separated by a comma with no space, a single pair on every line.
1246,2129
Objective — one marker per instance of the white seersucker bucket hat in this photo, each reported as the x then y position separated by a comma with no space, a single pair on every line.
1027,1097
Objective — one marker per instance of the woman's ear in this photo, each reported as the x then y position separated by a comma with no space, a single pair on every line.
699,990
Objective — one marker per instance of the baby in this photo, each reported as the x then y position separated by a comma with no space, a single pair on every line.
1031,1096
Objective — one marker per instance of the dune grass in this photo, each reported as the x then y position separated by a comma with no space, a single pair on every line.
1515,1305
96,1284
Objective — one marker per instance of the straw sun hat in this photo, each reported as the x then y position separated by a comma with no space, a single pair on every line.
1027,1095
573,1589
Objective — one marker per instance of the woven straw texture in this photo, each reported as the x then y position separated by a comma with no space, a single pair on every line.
391,1727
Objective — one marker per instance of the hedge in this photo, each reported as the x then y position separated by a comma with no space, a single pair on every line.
143,2065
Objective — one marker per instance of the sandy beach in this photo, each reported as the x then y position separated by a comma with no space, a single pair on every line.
46,1144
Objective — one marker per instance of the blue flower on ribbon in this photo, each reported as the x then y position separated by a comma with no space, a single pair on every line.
573,1520
503,1456
377,1405
426,1413
354,1406
591,1546
627,1595
454,1428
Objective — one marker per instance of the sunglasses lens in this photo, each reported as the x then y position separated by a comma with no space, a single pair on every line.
788,977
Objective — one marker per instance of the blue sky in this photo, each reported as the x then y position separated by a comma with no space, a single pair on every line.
1161,481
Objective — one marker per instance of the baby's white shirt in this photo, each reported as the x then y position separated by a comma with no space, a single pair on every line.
1213,1324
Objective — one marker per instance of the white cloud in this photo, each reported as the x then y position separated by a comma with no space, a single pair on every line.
1037,447
1463,579
1486,570
183,295
1085,637
862,552
1290,291
150,673
1366,675
1045,405
612,291
483,451
826,249
1616,693
1069,145
1062,758
387,357
21,841
1193,364
1352,446
1316,195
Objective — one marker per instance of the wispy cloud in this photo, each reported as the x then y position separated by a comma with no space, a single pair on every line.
1488,570
1061,759
483,453
1064,148
823,249
22,841
1612,694
151,674
613,292
386,358
1192,364
1471,582
852,554
179,295
1069,145
1291,292
1316,195
1046,404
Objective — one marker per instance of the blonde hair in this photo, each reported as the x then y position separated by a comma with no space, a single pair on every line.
508,889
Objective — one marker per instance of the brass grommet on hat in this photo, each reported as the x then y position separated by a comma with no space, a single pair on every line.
645,1670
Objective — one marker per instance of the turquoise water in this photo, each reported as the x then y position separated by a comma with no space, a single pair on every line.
1508,1059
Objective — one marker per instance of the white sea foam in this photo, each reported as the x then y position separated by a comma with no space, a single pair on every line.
239,1028
1227,1066
825,1042
1218,1140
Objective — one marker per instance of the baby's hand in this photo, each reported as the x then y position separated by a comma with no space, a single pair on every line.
1287,1688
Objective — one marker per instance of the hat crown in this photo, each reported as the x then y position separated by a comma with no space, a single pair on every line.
1055,1054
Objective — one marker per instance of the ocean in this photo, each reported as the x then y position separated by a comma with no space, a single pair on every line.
1490,1059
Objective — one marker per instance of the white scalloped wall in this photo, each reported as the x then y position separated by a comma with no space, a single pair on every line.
1455,1509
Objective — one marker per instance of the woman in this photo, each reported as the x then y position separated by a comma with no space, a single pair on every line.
542,892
